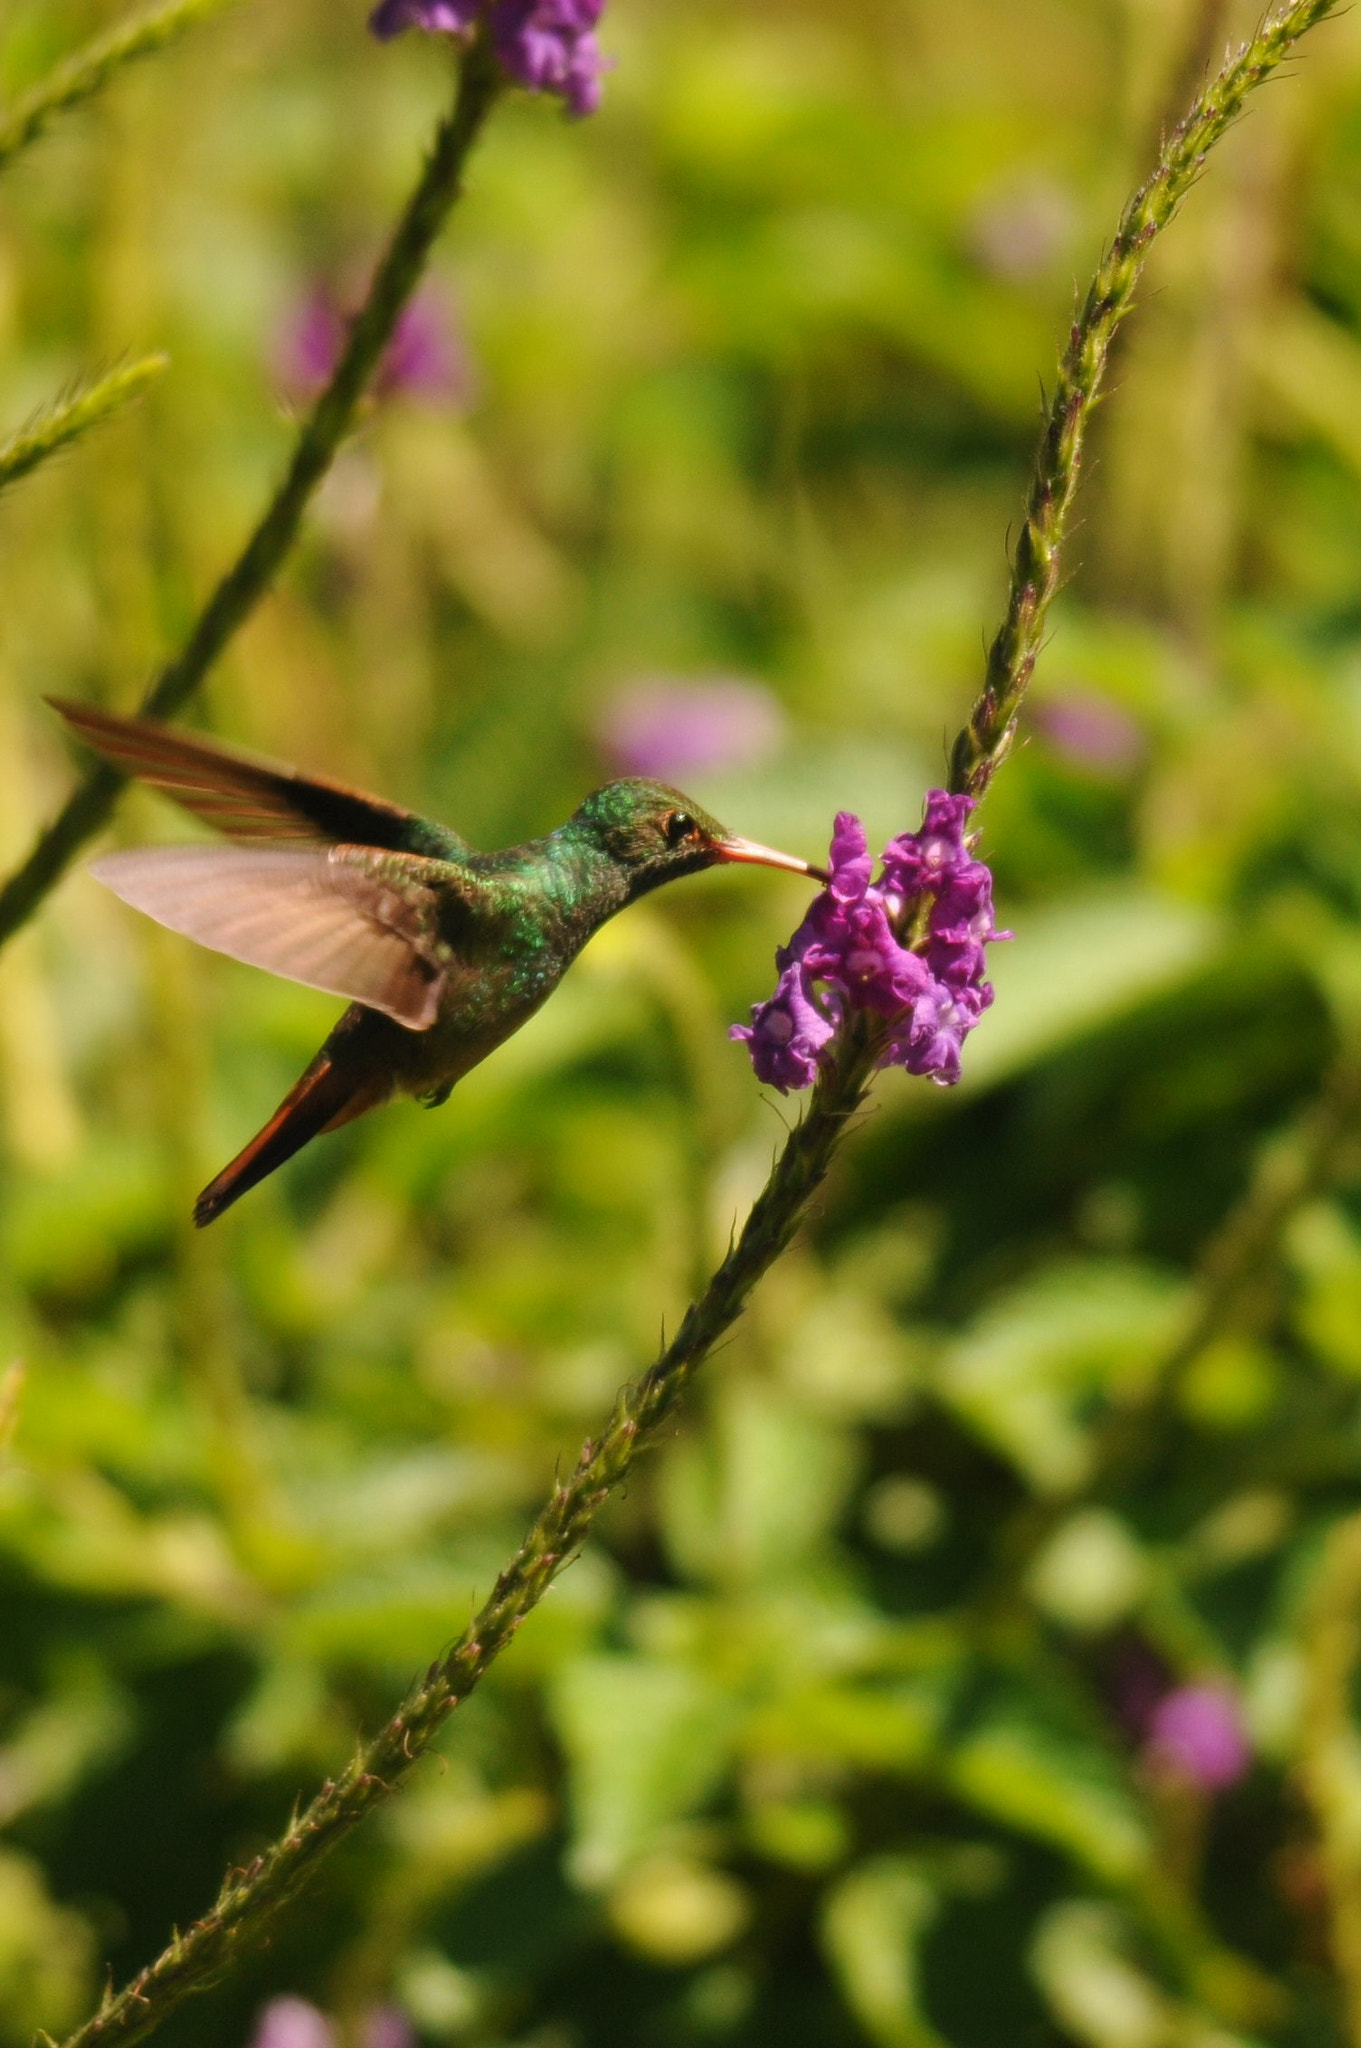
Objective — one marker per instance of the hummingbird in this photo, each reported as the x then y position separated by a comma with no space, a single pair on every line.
443,951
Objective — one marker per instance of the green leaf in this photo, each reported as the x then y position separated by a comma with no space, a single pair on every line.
1075,967
1054,1786
46,1954
756,1501
1024,1373
873,1924
646,1744
1326,1254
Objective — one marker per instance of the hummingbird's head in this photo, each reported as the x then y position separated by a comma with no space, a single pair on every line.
655,834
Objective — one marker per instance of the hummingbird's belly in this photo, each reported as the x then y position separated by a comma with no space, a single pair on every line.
475,1017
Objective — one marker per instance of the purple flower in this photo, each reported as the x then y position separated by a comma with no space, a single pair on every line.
670,730
787,1034
546,45
1196,1733
425,358
909,947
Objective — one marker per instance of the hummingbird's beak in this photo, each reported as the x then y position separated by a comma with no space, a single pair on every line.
767,857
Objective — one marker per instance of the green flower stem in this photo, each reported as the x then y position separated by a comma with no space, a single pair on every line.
986,739
249,1898
82,75
91,803
71,417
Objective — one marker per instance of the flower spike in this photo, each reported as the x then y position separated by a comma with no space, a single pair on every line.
909,947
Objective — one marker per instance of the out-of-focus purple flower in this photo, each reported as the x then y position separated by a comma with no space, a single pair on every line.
308,342
387,2026
425,358
909,946
292,2023
1092,732
545,45
1197,1733
426,355
673,729
1018,234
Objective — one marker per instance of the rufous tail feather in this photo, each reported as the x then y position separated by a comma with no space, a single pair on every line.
325,1097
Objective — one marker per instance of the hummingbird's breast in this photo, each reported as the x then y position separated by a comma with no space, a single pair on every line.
534,912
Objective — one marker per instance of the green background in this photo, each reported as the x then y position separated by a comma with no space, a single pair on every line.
819,1742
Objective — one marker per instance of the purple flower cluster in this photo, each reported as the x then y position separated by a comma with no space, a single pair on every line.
909,946
546,45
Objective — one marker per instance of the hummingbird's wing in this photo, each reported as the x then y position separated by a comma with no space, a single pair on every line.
246,798
346,919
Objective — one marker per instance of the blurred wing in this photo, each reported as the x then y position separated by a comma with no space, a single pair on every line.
244,798
352,922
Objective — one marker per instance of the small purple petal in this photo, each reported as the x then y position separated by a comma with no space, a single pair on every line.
436,17
1197,1733
549,46
928,858
786,1033
849,859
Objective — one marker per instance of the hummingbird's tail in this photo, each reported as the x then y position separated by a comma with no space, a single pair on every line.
329,1094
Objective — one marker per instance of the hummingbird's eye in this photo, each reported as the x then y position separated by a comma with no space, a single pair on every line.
680,825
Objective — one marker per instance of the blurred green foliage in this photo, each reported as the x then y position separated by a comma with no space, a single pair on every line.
828,1737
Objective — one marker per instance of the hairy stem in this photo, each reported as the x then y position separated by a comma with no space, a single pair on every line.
79,77
195,1959
325,427
74,415
986,739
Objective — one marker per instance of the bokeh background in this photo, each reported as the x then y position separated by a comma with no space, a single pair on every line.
972,1664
